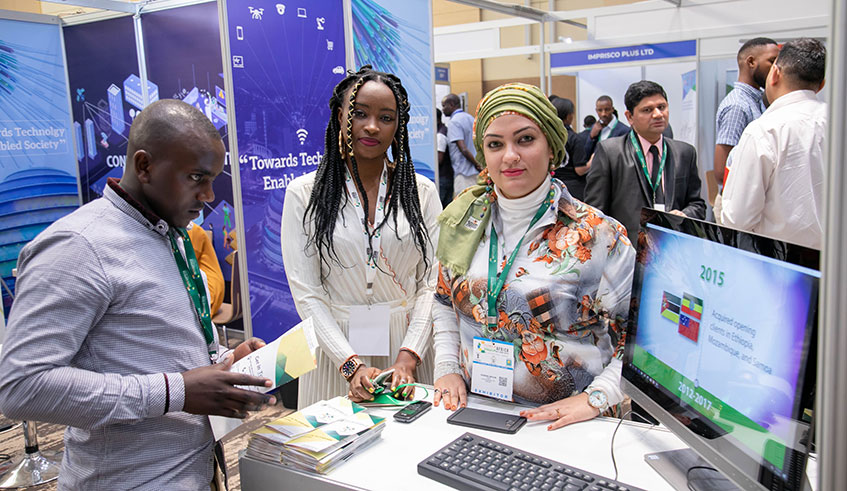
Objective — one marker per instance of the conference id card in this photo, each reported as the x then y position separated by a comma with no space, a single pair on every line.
493,369
367,329
659,206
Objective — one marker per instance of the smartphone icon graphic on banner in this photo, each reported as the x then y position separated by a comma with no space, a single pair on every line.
239,33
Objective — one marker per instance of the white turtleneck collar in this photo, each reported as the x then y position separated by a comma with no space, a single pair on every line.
515,214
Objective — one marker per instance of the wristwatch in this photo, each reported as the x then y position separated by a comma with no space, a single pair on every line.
349,367
597,399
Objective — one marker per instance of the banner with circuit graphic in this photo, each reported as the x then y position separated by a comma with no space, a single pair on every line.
38,177
286,58
182,51
396,37
105,97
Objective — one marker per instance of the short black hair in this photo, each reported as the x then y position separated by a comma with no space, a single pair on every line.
552,97
751,44
639,90
606,98
589,120
451,99
564,107
803,61
165,122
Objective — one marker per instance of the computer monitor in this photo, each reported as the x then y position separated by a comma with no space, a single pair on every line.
720,345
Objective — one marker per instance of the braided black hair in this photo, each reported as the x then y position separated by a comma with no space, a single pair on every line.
329,188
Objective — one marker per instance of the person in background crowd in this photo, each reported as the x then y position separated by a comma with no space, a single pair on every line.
587,123
445,165
642,168
775,187
607,125
562,272
110,332
205,252
572,171
460,142
357,244
743,104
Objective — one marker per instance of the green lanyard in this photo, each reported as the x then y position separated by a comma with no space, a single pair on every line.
495,281
193,281
643,161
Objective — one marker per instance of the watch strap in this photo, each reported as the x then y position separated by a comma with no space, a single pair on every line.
349,367
605,406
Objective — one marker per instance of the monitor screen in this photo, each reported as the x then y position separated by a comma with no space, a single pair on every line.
720,344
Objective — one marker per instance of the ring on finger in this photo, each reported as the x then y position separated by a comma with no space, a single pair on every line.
437,390
557,413
445,391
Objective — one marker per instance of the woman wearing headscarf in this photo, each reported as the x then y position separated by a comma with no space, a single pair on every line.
358,245
533,285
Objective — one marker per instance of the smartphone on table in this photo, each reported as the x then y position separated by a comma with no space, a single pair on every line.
412,411
487,420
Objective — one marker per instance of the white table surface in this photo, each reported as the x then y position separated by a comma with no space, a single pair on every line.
391,462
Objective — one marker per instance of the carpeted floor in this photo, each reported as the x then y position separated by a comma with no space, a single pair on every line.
50,439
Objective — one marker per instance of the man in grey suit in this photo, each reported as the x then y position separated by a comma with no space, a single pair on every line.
643,168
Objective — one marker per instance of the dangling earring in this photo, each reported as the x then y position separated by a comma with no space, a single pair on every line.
341,145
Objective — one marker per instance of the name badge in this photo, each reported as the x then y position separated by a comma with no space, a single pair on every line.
367,329
659,207
493,368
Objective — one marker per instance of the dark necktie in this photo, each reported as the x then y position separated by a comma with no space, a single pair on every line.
654,175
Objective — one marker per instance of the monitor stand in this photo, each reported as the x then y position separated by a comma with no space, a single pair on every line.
673,465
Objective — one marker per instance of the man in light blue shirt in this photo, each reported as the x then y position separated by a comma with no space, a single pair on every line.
460,144
744,102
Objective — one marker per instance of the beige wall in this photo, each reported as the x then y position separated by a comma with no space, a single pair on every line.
31,6
465,76
476,77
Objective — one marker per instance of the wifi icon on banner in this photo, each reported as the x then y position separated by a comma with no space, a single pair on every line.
301,135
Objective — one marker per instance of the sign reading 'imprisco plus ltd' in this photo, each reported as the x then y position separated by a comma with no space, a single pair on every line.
622,54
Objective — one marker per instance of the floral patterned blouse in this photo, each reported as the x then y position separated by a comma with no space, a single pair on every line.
563,306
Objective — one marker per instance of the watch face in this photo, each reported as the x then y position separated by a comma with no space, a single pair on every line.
597,398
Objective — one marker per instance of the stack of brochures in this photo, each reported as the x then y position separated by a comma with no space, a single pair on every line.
316,438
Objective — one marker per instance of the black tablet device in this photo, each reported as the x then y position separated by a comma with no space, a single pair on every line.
487,420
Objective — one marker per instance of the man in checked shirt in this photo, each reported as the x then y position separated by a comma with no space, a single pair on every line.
108,335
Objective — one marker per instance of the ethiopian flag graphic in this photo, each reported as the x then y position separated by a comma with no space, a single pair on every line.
692,306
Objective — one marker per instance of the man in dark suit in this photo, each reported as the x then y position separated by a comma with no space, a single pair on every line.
606,126
643,168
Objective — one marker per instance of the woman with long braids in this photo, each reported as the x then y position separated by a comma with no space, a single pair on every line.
358,245
530,274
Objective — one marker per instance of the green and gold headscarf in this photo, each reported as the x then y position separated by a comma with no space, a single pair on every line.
465,220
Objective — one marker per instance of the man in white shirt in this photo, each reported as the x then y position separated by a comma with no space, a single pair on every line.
776,184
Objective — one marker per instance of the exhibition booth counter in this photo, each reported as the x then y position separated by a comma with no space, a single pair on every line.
391,462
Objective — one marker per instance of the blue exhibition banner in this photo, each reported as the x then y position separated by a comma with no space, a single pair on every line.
442,74
286,59
395,37
105,97
183,50
641,52
38,178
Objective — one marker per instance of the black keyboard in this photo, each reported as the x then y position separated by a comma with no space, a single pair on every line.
472,462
